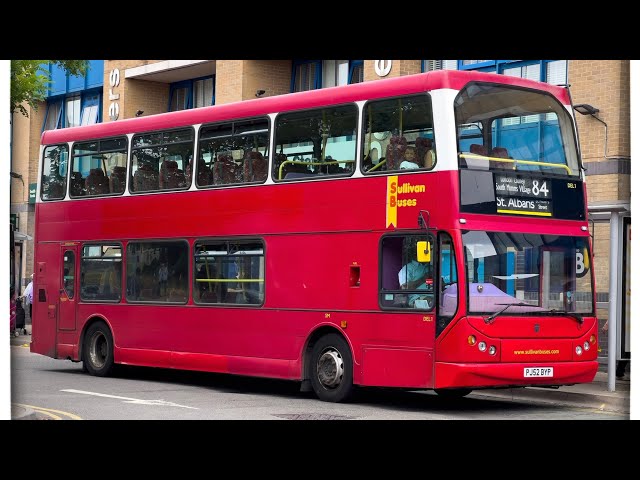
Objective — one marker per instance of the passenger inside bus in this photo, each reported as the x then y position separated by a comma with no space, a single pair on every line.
425,152
410,161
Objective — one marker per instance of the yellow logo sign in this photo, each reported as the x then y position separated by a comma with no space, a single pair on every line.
393,190
392,201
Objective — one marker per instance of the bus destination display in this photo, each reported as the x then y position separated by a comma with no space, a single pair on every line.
523,195
498,193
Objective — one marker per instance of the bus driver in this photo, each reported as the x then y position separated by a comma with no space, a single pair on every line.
415,276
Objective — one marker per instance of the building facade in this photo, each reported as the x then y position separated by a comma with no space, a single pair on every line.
113,90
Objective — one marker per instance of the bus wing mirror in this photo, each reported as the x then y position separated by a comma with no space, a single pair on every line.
423,253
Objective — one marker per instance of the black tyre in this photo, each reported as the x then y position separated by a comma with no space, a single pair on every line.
453,392
97,351
331,369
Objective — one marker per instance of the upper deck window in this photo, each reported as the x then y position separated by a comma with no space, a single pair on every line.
161,161
54,172
233,153
315,143
508,128
398,135
98,167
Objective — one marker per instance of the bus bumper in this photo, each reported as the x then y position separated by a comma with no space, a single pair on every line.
506,375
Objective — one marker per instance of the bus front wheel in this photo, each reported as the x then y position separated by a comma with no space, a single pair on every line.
97,354
331,369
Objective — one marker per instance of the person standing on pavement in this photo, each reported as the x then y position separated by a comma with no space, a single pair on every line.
28,294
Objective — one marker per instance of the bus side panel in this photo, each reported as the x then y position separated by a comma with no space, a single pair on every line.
45,299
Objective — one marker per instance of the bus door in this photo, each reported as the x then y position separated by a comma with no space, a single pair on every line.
447,304
68,289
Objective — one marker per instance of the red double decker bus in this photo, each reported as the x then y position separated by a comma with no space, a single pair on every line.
423,232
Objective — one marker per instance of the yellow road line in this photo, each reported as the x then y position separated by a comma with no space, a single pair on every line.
44,412
51,411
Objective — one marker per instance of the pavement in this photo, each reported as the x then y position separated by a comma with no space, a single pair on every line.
586,395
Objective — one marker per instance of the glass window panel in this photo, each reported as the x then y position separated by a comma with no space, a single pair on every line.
89,115
315,143
305,77
54,173
232,153
406,282
179,99
53,115
357,76
161,166
101,272
72,111
158,272
398,135
229,272
69,272
537,137
203,92
557,72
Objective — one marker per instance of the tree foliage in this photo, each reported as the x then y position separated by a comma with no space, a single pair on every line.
30,81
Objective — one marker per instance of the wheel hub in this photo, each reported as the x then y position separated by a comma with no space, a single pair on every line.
98,350
330,368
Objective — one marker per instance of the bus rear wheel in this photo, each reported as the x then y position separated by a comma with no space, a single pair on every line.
331,369
97,353
452,393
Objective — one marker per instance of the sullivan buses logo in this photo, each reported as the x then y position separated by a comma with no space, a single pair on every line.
396,197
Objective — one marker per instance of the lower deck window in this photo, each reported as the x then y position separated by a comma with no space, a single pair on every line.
229,272
101,272
158,272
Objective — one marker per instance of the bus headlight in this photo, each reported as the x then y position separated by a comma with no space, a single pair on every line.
586,346
482,346
492,350
578,350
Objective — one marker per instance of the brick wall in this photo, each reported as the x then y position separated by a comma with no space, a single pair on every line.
25,152
398,68
605,85
272,76
150,97
229,81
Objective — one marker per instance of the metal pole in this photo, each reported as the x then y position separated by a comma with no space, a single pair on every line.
613,301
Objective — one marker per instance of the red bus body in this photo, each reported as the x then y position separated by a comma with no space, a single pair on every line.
310,249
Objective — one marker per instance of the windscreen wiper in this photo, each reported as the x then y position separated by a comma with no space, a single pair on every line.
577,316
490,318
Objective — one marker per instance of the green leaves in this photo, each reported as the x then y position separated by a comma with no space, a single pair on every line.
30,80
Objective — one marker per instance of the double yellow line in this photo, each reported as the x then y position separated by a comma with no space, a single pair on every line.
50,412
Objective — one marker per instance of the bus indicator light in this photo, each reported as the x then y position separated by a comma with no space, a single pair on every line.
343,324
471,340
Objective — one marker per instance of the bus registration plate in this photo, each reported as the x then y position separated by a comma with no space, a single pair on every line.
538,372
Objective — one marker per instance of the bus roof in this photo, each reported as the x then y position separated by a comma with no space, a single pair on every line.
408,84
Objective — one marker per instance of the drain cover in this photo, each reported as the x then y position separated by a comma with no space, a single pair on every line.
311,416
